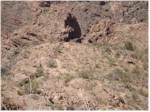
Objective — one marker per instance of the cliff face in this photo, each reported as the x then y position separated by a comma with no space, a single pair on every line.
74,55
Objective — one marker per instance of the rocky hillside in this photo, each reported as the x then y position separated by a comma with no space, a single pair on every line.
74,55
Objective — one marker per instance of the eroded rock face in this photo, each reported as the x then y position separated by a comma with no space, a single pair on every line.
67,29
64,21
102,31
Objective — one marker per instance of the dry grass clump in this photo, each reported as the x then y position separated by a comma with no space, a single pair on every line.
86,74
68,78
39,72
29,86
119,75
128,45
52,64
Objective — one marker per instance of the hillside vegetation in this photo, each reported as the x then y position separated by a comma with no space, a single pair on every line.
74,55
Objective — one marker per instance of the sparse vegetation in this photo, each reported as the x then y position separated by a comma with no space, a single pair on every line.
102,101
111,61
117,54
29,86
128,86
136,55
26,54
68,78
106,48
128,45
56,106
52,64
145,65
137,74
86,74
4,70
120,75
58,49
143,92
34,96
134,95
39,72
23,82
97,66
57,60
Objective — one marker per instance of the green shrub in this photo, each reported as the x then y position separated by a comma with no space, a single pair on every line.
129,46
137,55
58,49
145,66
86,74
118,54
23,82
31,87
52,64
39,72
136,70
143,93
120,75
128,86
57,106
97,66
68,78
111,61
106,49
135,95
102,101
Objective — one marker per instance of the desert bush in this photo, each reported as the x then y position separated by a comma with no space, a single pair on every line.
128,45
102,101
39,72
56,106
4,71
120,75
31,87
145,66
86,74
117,54
23,82
143,93
136,55
128,86
15,51
34,96
26,54
136,73
111,61
58,49
52,64
134,95
68,78
106,48
97,66
5,68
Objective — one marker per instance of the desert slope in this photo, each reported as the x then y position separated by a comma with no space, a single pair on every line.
74,56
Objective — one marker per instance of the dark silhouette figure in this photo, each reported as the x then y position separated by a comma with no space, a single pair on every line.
72,22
